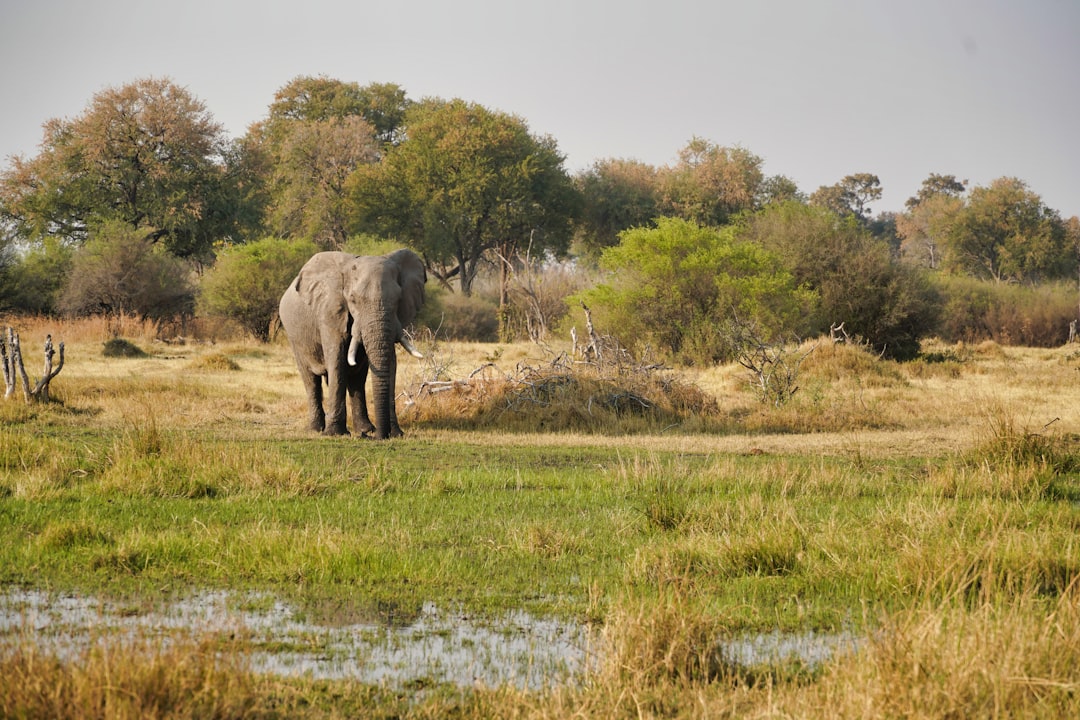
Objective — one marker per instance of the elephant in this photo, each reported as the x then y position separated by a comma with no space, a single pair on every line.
344,314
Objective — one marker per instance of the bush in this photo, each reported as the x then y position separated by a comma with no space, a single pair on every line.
453,316
247,281
33,280
122,270
887,304
537,298
974,310
119,347
676,286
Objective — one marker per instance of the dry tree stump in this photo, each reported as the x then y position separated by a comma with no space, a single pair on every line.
11,360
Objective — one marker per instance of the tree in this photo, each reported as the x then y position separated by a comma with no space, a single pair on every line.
924,227
1006,233
317,133
616,195
710,184
676,286
315,160
247,281
936,186
465,182
888,305
33,278
850,196
779,189
147,154
306,99
120,270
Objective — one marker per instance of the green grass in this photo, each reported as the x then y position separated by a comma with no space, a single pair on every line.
764,540
891,498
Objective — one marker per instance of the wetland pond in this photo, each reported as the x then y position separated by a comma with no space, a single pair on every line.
430,647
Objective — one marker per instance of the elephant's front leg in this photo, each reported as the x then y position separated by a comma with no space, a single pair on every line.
337,385
362,424
314,391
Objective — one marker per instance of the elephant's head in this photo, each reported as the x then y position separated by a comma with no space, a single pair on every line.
383,295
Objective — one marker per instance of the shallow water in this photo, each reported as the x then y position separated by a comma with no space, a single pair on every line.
810,648
435,646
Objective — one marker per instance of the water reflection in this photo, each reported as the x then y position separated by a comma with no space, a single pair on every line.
434,647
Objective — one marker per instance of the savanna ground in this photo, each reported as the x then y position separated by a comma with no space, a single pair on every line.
928,510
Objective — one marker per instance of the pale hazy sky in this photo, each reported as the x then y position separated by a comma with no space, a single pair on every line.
818,88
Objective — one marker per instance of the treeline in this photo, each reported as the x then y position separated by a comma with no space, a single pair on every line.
141,205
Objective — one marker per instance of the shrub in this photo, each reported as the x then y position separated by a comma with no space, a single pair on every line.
887,304
674,287
454,316
32,280
122,270
247,281
119,347
974,310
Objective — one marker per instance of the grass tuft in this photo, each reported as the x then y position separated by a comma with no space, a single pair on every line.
121,348
214,362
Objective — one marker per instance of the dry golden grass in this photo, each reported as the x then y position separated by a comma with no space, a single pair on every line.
849,402
136,679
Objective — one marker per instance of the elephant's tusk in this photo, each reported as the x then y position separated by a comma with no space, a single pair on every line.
407,344
354,344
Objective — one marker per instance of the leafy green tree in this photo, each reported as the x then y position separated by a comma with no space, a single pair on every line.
466,182
711,184
779,189
120,270
617,195
1006,233
677,286
32,279
306,99
147,154
317,133
314,163
936,185
851,196
859,283
247,281
923,229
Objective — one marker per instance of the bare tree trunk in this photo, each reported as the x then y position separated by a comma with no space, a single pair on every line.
15,371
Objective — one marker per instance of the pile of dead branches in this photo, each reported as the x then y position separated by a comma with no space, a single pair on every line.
605,389
15,371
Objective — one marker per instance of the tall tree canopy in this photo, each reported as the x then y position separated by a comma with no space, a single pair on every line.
710,183
1006,233
929,218
318,131
617,194
851,196
306,98
466,181
147,154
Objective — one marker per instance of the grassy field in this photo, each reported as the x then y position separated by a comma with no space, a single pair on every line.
929,510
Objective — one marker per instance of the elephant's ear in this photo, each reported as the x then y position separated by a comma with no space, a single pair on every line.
411,278
320,285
